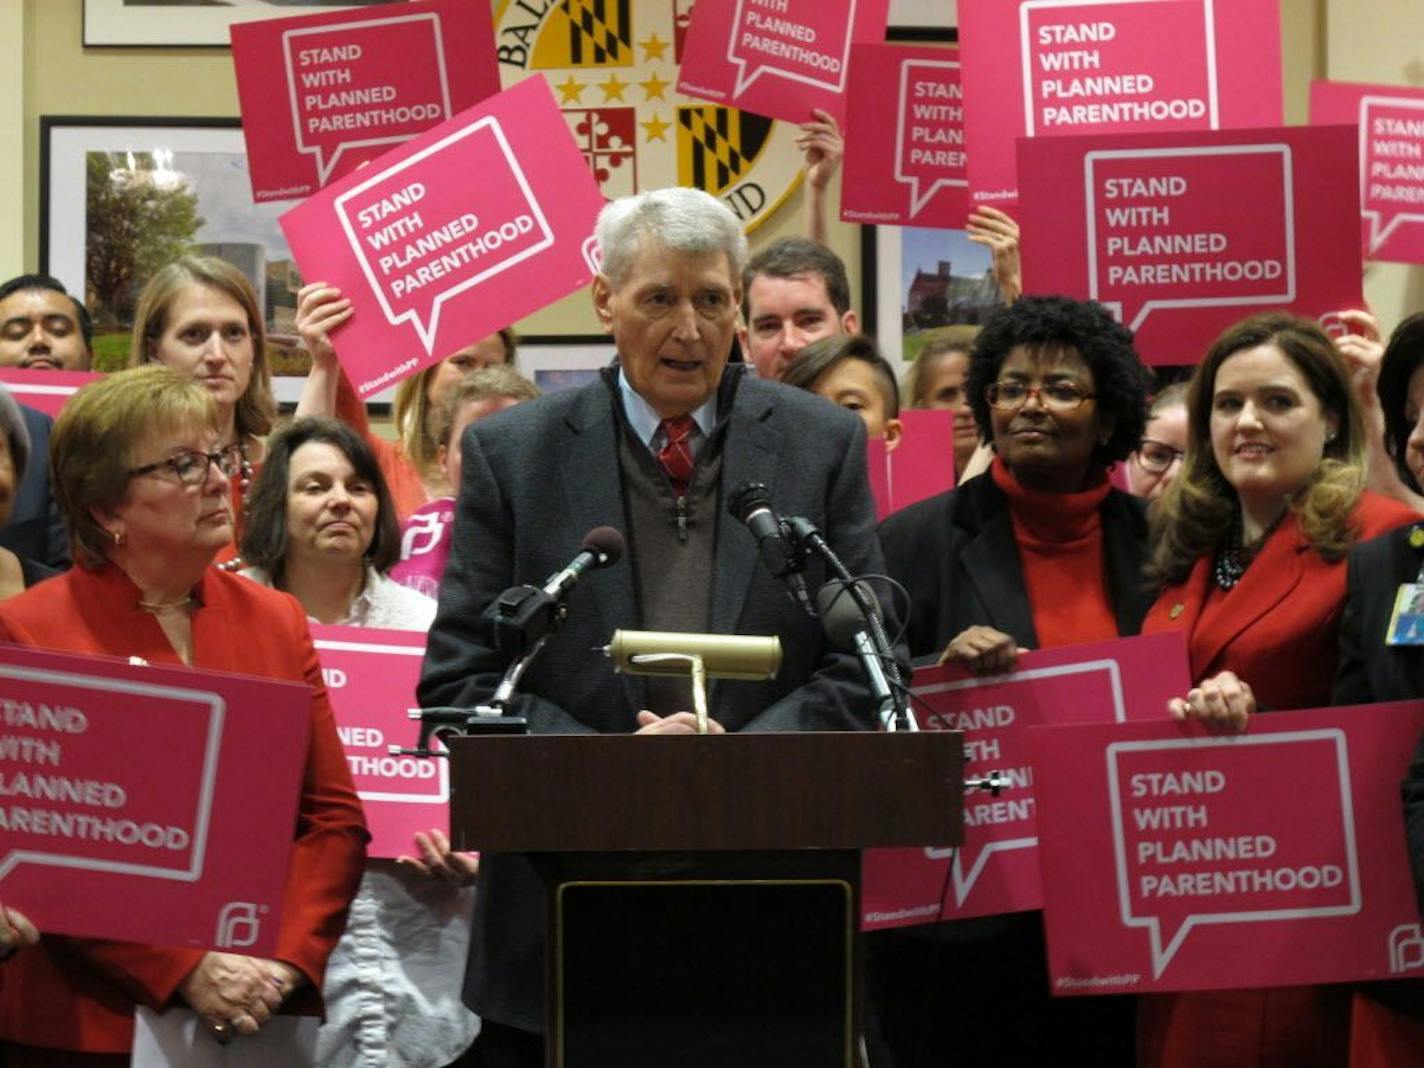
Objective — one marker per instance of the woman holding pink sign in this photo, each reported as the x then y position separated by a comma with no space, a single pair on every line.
322,527
143,477
411,466
1039,551
1250,543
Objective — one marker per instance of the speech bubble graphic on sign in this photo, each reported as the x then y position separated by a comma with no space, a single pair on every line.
1120,66
996,868
419,243
371,677
1168,228
929,132
804,41
1391,165
353,86
139,825
1188,844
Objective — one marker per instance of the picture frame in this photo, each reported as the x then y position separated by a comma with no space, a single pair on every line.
922,19
916,282
208,157
185,24
190,176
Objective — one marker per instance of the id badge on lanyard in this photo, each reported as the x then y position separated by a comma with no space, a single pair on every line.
1406,622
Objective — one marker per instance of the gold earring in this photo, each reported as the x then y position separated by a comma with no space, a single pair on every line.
118,536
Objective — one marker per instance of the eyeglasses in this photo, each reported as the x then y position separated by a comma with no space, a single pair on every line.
1055,396
1157,456
191,467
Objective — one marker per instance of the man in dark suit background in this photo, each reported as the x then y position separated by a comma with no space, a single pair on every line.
654,448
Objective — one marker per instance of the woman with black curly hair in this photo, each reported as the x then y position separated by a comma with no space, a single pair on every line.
1038,551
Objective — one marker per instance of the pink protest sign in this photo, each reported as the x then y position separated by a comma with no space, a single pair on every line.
920,465
323,94
433,260
47,391
1177,858
996,869
425,546
1044,68
147,804
778,58
1391,162
1160,232
371,677
909,171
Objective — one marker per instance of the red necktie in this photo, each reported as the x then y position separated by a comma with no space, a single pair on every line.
676,455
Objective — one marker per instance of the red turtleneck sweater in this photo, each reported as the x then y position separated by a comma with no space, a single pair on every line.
1060,539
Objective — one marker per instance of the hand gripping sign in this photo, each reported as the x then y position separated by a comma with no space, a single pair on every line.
1391,162
778,58
996,869
1167,238
1177,858
910,171
1094,67
433,259
352,84
147,804
371,677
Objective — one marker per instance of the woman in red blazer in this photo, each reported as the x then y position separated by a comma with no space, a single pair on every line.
1250,544
144,488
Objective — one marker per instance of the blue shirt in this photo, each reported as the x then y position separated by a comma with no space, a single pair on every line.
647,423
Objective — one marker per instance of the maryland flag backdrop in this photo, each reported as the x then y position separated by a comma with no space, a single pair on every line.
613,66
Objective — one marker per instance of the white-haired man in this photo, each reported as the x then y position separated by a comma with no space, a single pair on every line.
654,448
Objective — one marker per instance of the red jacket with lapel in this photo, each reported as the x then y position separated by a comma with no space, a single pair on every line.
1277,628
69,993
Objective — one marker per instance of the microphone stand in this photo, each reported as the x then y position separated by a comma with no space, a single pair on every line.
874,649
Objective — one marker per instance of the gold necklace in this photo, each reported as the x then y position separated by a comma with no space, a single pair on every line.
165,606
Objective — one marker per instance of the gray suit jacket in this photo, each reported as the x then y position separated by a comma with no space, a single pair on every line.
536,478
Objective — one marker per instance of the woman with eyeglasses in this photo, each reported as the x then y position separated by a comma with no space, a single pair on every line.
1249,544
1039,551
142,477
1154,464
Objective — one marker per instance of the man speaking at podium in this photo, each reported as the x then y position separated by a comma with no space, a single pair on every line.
654,449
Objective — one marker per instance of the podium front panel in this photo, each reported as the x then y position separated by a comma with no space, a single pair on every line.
550,793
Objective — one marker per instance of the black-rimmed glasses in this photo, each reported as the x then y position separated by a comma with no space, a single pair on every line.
1055,396
1157,456
191,467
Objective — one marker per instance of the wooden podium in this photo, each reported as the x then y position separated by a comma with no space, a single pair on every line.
704,892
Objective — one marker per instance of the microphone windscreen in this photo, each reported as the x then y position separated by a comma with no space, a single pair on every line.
840,615
607,542
746,499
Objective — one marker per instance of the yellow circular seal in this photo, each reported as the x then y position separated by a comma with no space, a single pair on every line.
613,66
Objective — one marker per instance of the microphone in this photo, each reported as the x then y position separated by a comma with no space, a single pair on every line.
849,613
601,547
522,616
750,505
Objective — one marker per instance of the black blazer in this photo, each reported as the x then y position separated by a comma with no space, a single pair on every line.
538,476
957,556
1372,671
35,531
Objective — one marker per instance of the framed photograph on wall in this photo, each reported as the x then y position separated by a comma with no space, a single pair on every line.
119,198
926,284
186,23
910,19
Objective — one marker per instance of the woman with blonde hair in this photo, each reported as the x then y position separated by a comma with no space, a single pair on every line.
1249,543
201,317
